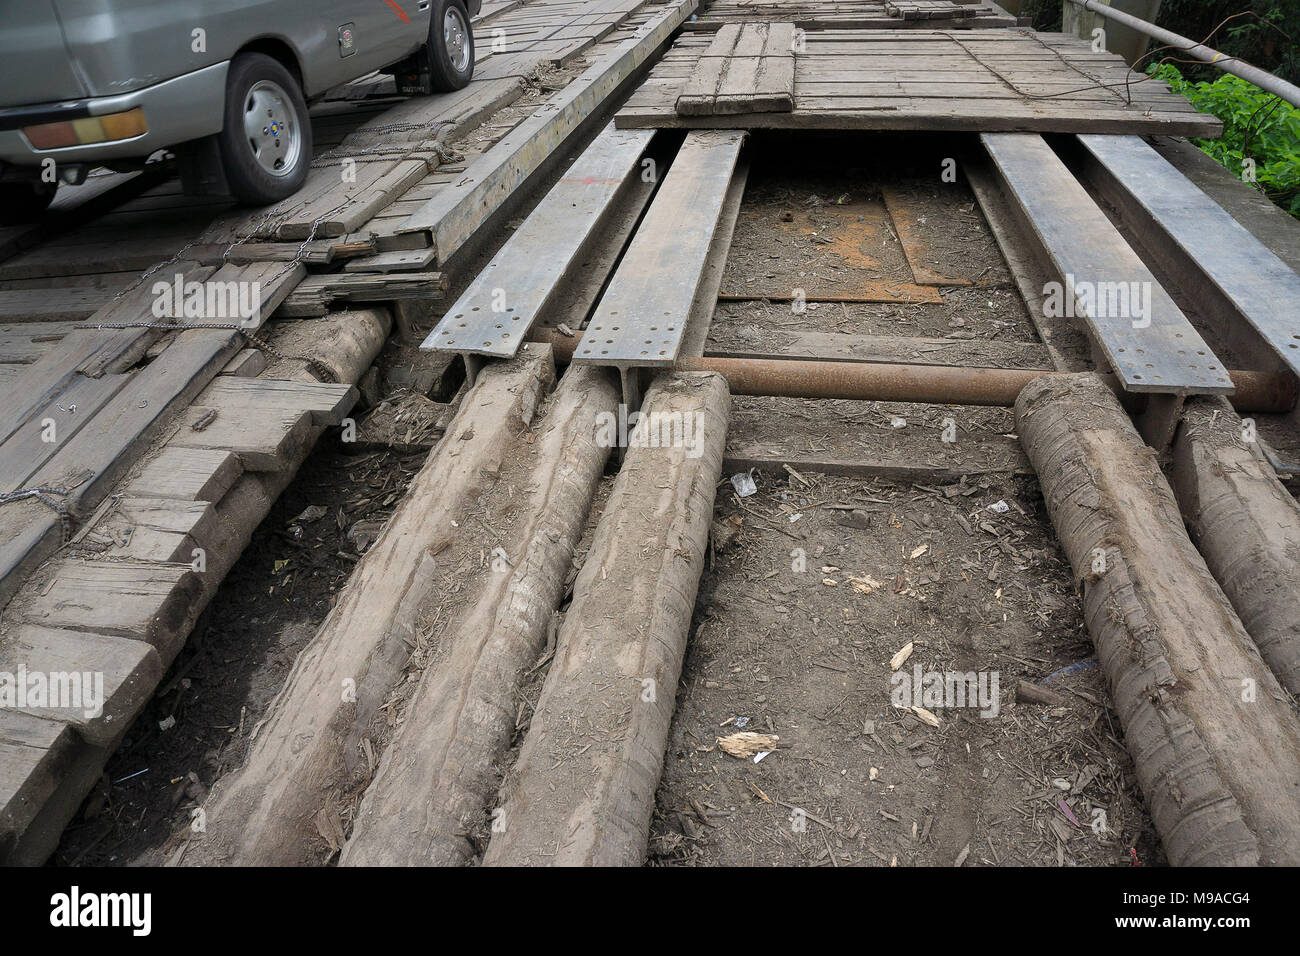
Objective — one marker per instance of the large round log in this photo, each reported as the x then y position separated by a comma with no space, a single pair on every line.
1247,527
276,808
1214,738
603,715
440,774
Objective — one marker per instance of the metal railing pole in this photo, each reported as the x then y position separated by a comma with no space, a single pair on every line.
1262,78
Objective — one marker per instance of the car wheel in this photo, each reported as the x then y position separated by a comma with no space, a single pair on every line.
23,202
265,144
451,47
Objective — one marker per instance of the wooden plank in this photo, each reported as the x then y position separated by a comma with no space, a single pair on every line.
698,96
24,344
160,530
52,305
96,457
507,297
249,363
187,474
406,260
146,602
453,215
746,69
73,206
1149,343
315,294
846,79
33,752
643,314
263,440
325,402
760,74
1248,278
39,439
266,423
97,683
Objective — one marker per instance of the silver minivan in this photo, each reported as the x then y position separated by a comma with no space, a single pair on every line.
223,83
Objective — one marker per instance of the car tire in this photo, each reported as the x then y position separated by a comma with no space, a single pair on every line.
451,47
24,202
265,144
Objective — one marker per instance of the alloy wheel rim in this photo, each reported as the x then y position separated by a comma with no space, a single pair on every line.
271,127
455,35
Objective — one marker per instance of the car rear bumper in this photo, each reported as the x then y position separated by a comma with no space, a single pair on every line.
176,111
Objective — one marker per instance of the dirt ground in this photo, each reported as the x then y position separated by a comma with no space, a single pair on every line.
805,655
818,583
200,723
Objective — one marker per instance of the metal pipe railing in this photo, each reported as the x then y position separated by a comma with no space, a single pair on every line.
1265,80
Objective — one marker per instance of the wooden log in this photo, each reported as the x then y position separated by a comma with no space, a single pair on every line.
1247,527
619,651
265,812
441,773
1213,737
343,343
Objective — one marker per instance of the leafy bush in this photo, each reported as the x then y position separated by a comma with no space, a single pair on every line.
1256,125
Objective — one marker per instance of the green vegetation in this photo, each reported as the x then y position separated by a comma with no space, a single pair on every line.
1256,126
1270,39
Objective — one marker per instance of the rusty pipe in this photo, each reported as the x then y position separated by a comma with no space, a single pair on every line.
937,384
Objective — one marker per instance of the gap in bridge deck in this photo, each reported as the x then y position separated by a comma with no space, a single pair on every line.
845,223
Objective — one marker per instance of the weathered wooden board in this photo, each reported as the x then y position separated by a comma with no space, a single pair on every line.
265,422
315,294
143,601
33,752
928,10
747,69
190,474
97,456
1148,342
100,682
842,14
972,80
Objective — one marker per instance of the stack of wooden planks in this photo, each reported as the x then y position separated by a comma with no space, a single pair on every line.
848,14
120,597
748,68
928,10
452,215
954,80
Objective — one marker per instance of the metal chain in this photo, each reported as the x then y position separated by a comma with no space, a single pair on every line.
257,339
43,495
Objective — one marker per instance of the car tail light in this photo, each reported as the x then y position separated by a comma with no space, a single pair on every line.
90,129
